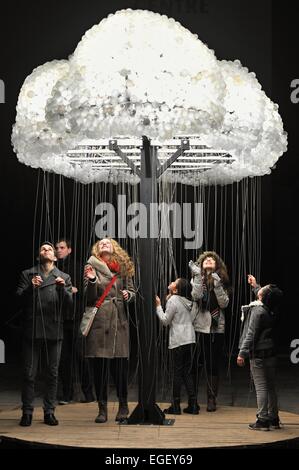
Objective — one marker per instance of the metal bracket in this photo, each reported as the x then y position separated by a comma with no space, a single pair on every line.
114,146
185,145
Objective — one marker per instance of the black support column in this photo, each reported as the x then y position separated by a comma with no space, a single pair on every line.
147,411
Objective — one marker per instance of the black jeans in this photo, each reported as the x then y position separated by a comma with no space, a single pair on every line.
182,364
31,354
118,368
211,352
208,356
67,366
85,368
74,366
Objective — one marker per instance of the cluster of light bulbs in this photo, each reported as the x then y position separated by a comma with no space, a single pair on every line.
139,73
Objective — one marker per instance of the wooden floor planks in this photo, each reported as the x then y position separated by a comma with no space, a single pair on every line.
228,426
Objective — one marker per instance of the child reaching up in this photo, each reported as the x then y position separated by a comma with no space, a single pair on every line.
178,315
257,342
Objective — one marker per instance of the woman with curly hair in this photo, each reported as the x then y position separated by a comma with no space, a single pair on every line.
108,339
210,288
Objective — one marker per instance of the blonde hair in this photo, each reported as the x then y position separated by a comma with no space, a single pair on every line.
119,255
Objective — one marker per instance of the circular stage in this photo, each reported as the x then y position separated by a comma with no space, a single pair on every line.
227,427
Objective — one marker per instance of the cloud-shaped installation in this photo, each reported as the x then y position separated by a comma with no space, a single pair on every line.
139,73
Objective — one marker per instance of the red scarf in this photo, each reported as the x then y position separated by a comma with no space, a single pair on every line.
112,265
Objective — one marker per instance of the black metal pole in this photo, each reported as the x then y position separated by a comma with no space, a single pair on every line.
147,411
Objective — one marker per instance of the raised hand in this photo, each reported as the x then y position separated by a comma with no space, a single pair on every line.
194,268
89,272
252,280
216,278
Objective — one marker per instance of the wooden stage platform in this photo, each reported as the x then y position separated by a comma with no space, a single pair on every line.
227,427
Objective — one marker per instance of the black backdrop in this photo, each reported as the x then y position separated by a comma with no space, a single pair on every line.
261,33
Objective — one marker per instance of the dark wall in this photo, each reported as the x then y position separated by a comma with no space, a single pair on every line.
283,232
35,33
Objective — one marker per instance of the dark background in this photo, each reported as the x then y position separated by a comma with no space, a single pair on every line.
261,33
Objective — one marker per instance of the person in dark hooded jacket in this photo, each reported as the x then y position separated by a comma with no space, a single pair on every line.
257,343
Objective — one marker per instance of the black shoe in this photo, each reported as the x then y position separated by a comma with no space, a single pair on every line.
26,420
193,407
174,408
275,423
211,405
259,426
103,414
50,420
123,412
212,392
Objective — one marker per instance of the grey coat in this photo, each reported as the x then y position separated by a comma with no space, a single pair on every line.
109,334
44,306
178,316
202,318
257,329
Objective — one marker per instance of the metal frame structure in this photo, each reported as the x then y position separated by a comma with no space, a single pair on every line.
148,160
123,154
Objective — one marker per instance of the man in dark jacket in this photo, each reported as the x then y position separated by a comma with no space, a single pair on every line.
259,319
44,291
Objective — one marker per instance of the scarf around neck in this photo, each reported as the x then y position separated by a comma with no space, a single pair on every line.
112,265
210,303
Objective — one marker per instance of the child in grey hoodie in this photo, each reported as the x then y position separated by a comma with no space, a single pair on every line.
178,315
